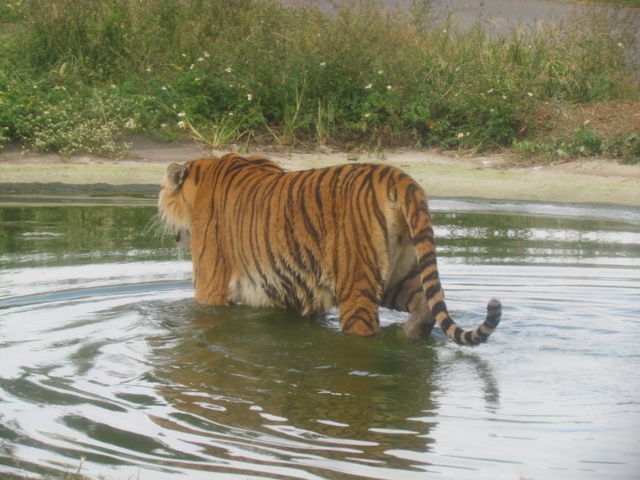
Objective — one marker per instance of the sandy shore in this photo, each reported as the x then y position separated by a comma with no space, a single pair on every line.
582,181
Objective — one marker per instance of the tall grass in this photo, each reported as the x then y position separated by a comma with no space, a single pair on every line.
256,71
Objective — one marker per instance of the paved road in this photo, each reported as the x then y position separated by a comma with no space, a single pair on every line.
504,13
469,10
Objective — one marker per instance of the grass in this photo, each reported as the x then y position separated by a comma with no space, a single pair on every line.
79,76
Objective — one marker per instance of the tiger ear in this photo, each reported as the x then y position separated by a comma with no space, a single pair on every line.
177,174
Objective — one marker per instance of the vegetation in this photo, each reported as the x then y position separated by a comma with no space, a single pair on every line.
80,76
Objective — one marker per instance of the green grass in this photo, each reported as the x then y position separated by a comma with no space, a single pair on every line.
79,76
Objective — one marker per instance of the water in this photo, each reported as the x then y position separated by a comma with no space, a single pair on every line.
107,365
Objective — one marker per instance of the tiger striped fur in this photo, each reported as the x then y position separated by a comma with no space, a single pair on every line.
355,236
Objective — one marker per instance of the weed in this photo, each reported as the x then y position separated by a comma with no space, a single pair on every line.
624,146
530,149
220,133
3,137
587,142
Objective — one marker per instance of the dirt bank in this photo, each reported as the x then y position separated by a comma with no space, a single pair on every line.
583,181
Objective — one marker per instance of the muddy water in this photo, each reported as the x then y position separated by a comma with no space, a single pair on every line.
107,365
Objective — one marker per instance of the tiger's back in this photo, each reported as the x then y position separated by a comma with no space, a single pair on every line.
354,236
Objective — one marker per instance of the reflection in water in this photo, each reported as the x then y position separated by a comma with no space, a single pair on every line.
105,355
297,383
80,234
508,239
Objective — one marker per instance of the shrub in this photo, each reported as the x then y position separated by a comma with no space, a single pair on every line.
263,72
74,119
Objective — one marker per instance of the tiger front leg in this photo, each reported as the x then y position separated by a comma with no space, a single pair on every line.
211,282
359,313
211,290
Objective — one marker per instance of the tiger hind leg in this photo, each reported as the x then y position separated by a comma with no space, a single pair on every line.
420,323
408,296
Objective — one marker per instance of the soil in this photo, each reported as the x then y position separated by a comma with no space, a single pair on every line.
494,177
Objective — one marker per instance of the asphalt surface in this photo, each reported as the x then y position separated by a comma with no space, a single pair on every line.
468,11
501,15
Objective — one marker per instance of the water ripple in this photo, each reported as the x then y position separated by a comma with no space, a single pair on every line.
112,361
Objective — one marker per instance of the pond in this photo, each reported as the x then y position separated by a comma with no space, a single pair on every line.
108,366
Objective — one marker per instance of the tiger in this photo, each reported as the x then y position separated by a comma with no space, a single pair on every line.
356,236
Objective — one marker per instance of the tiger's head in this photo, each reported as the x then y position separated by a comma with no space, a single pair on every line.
181,183
176,200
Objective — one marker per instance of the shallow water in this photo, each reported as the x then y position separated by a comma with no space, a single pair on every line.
104,356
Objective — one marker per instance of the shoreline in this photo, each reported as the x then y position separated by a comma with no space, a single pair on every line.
585,181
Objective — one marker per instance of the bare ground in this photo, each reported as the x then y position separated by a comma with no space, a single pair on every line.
493,177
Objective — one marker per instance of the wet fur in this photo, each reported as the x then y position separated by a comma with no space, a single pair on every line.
355,236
